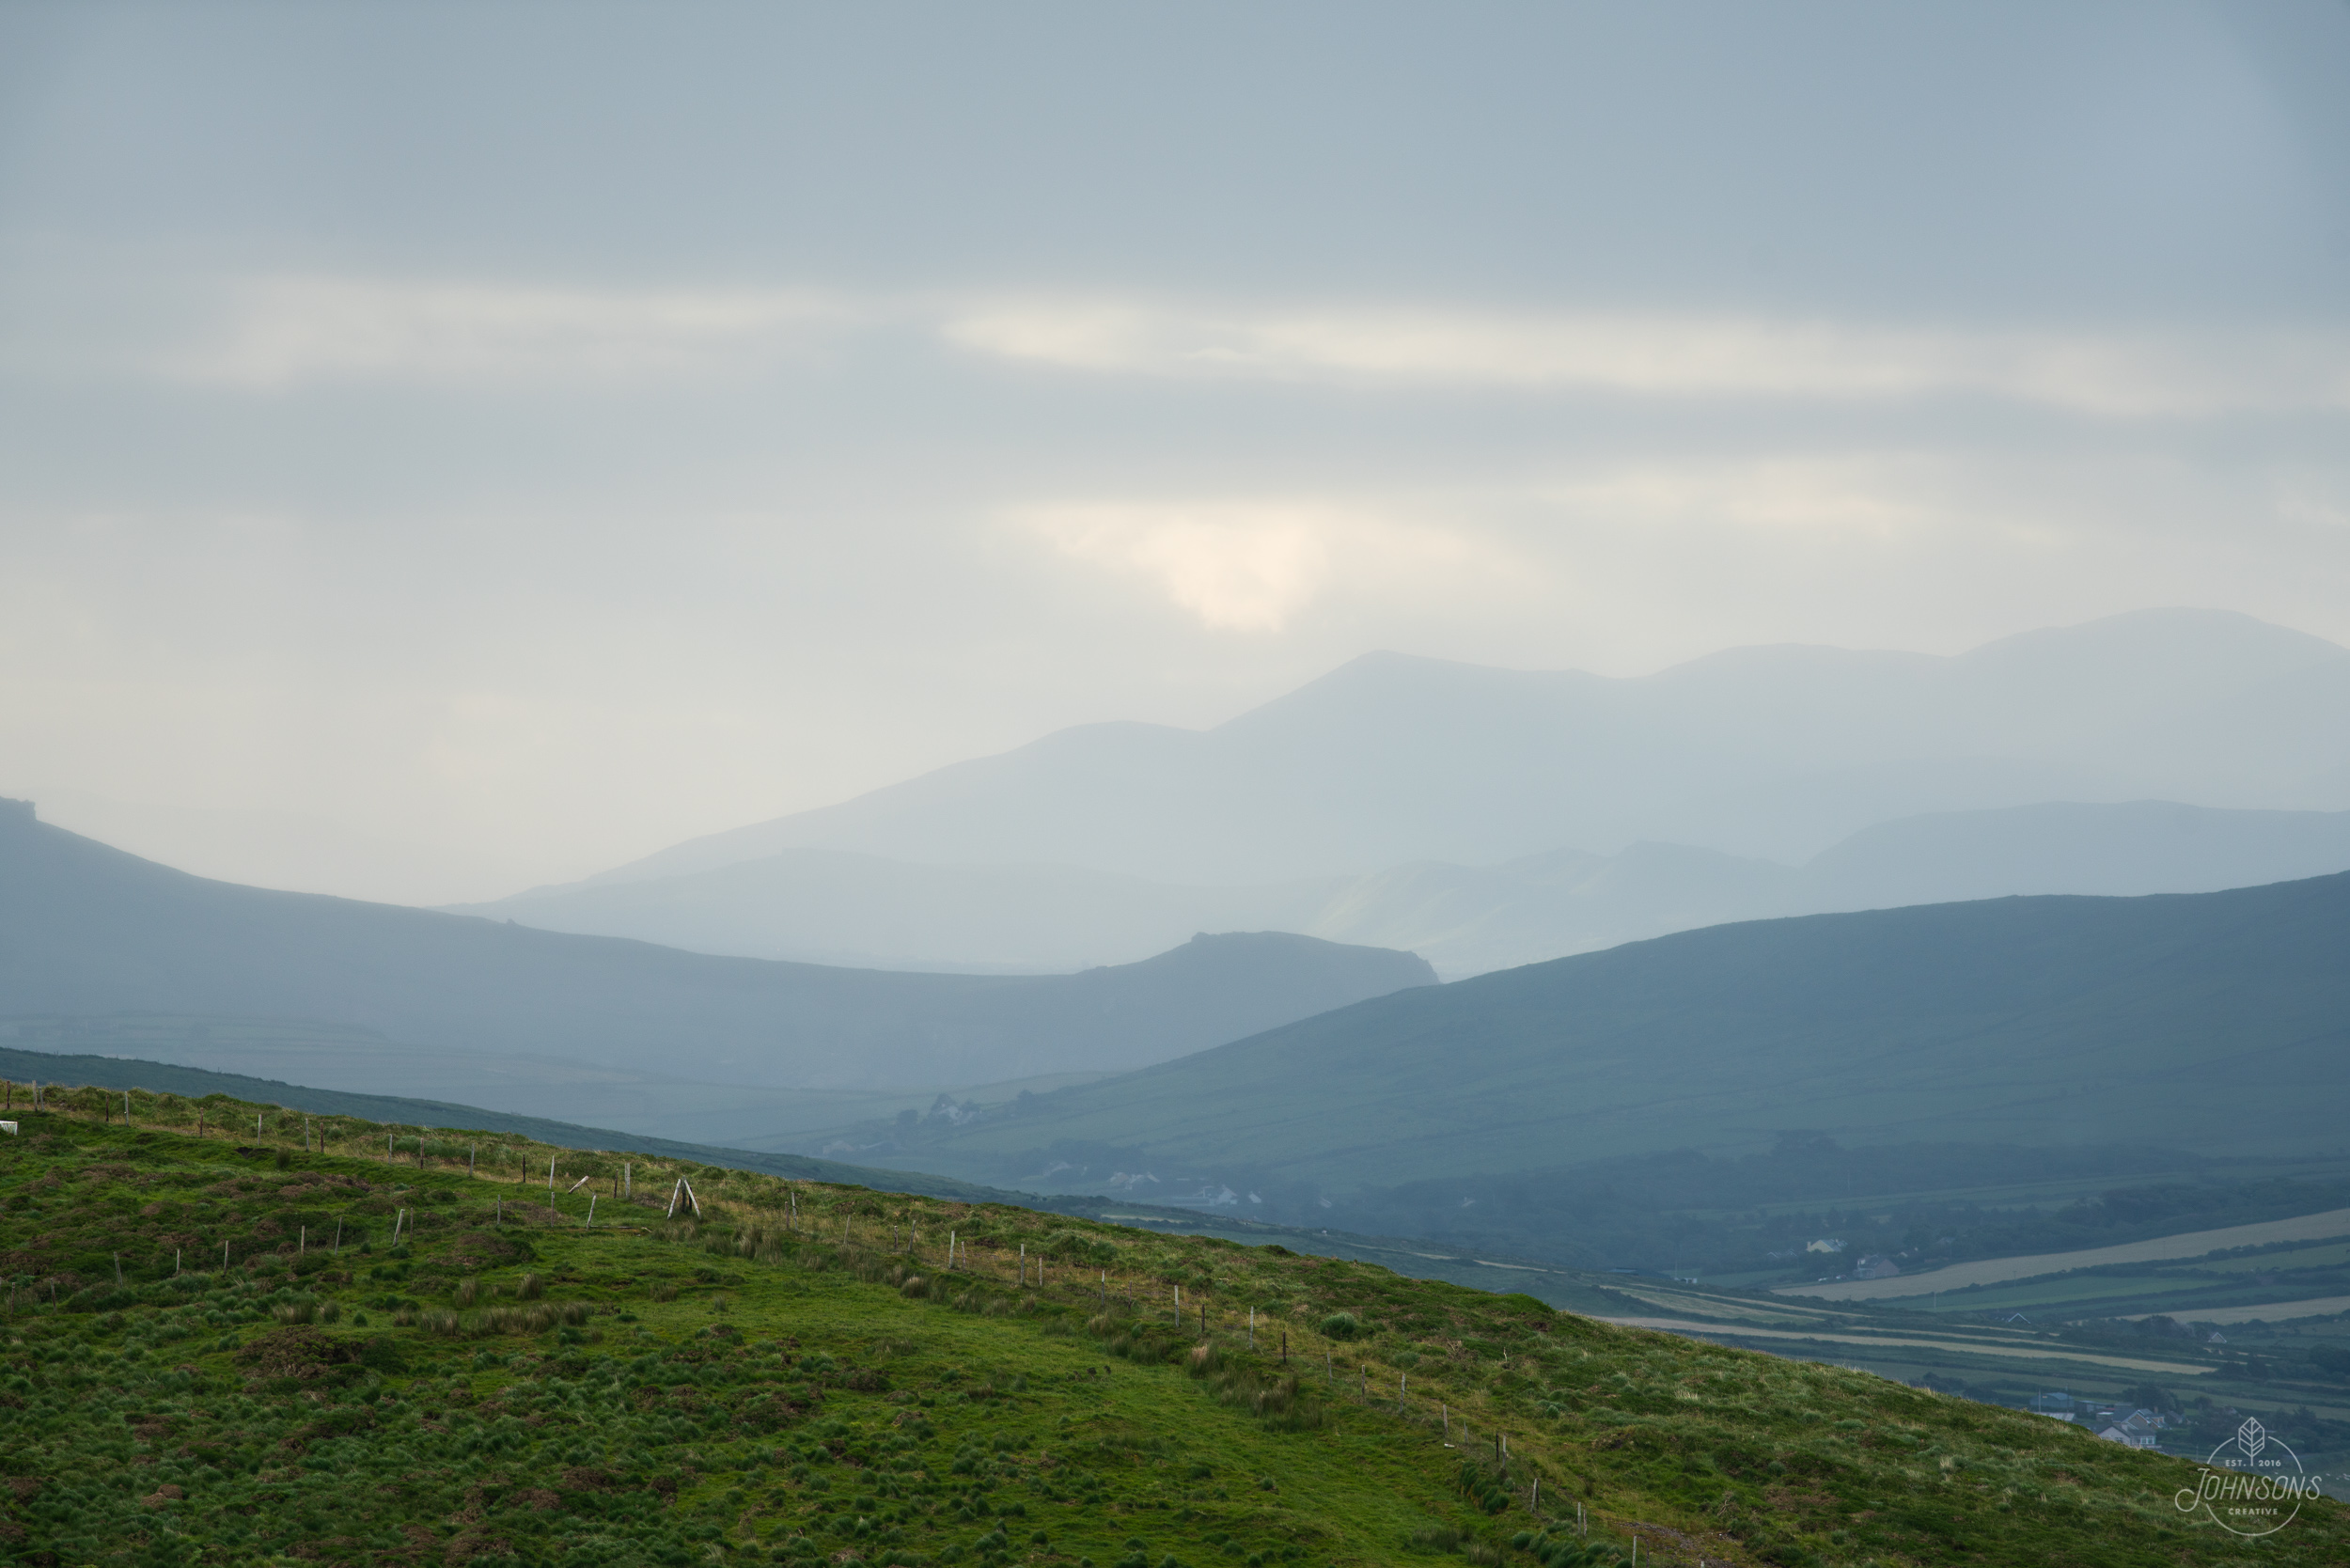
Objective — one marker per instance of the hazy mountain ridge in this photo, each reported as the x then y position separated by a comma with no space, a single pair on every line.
84,929
1775,752
821,905
1472,920
1464,919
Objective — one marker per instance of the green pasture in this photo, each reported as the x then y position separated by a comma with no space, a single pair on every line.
792,1374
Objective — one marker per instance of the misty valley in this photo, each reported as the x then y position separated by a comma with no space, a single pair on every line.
1921,1143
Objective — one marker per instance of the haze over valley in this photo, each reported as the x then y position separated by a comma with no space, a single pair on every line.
1364,808
786,984
1071,787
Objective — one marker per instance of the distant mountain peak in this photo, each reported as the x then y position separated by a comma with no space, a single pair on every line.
1774,751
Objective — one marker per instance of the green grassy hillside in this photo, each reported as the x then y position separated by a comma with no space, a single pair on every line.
23,1069
2165,1023
88,929
275,1353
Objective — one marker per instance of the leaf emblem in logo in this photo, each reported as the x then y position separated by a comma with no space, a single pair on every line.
2251,1437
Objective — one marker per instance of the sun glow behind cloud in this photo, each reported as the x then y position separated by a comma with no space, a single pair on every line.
1256,566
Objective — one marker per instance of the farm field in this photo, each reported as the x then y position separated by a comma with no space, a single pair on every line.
2269,1260
2289,1312
373,1355
2188,1295
1896,1342
1996,1271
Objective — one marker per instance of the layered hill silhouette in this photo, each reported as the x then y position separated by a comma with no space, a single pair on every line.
823,905
1770,752
2215,1023
88,929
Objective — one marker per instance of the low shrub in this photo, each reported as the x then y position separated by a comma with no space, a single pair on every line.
1481,1486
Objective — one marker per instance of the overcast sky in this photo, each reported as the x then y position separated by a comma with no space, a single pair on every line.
537,434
